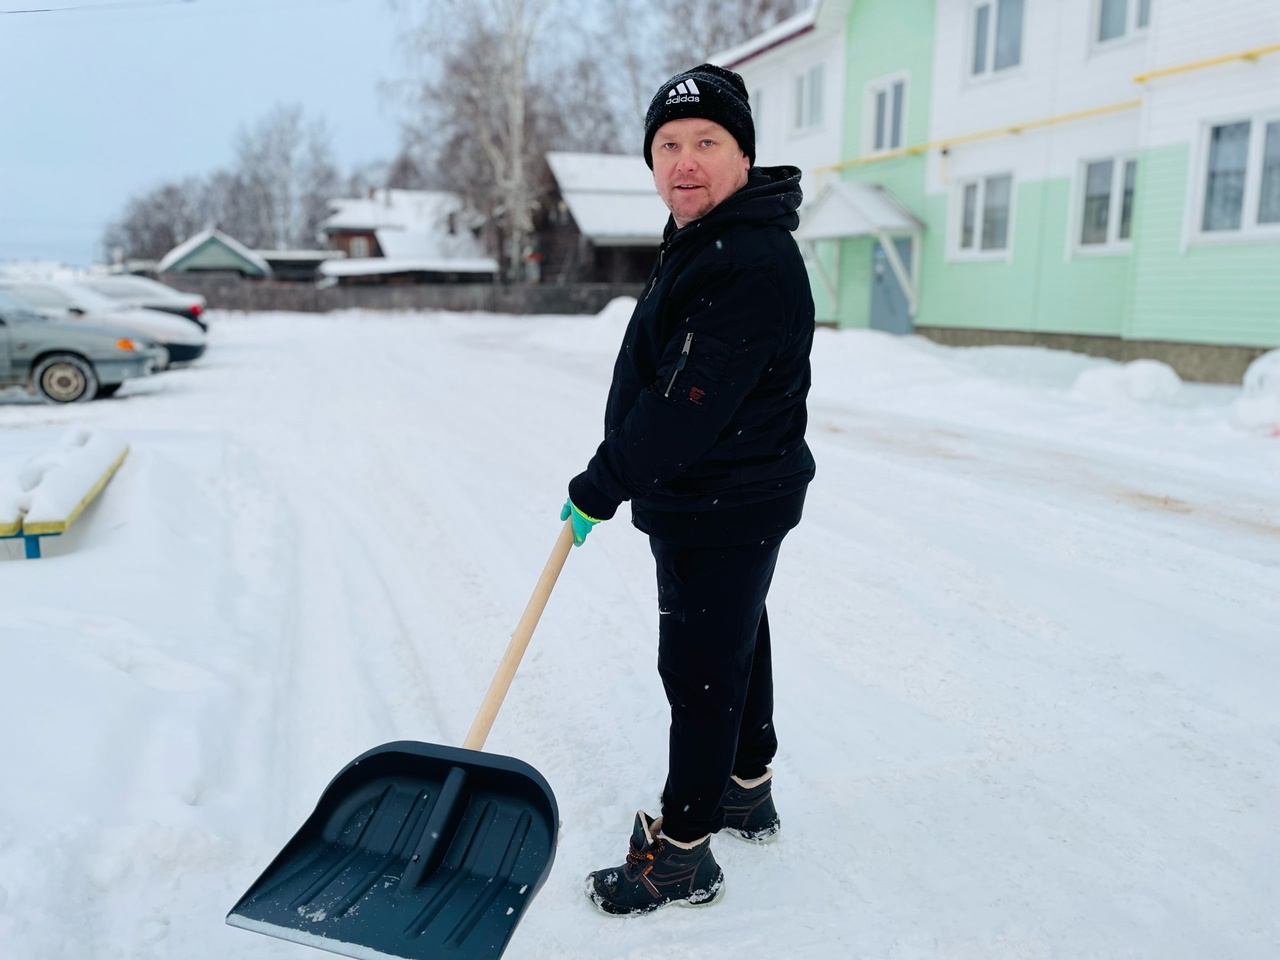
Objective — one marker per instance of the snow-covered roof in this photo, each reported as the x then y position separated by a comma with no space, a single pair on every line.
611,196
424,210
421,225
429,244
847,208
192,245
779,33
368,266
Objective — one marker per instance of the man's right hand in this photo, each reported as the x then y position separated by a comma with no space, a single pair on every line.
582,524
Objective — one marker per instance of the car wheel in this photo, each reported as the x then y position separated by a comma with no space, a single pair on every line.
107,390
65,378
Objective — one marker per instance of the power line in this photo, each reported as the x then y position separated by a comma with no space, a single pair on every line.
117,5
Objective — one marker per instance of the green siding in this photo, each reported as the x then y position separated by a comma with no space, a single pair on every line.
855,282
824,305
1075,293
1215,293
1038,289
883,37
213,255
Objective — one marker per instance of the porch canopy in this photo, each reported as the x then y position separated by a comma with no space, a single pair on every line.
845,209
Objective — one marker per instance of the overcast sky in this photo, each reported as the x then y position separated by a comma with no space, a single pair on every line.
104,99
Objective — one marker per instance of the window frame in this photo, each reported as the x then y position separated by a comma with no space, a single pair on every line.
804,80
1133,31
885,85
989,70
955,227
1250,230
1114,244
363,241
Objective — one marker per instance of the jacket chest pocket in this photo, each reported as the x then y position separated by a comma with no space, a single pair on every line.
691,374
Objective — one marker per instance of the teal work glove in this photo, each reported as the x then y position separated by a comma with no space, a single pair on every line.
582,524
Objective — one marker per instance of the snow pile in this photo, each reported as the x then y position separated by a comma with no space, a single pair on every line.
1258,406
1139,381
618,310
11,492
50,487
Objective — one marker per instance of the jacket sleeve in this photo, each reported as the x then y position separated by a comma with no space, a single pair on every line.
731,330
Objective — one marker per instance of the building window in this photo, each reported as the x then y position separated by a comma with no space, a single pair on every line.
1120,18
809,98
1242,177
886,114
1107,216
359,247
997,36
985,207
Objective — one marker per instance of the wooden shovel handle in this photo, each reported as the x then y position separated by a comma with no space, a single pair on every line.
519,640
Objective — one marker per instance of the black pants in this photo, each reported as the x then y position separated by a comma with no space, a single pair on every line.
713,656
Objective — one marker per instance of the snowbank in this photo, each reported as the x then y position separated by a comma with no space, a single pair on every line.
52,487
59,481
1139,381
1258,406
618,310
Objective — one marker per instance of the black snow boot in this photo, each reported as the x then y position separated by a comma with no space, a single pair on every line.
749,813
658,871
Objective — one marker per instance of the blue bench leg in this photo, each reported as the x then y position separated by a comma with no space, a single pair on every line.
33,547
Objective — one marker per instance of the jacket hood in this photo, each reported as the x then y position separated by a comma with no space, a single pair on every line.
772,195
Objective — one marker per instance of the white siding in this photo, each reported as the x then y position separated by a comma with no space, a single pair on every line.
1178,106
1062,71
1189,30
771,78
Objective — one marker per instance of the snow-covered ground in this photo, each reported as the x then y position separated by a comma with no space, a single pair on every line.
1025,642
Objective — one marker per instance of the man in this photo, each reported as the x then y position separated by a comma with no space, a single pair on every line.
704,434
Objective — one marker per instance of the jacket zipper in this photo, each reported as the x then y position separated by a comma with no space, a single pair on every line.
684,356
662,251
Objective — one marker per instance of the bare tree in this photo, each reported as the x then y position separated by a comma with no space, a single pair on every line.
158,220
584,117
694,29
286,166
476,118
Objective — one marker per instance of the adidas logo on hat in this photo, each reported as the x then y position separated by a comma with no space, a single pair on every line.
684,92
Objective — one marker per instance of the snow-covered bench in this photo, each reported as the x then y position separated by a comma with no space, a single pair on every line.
44,494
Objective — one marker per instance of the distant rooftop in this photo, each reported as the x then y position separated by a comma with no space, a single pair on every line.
403,209
611,197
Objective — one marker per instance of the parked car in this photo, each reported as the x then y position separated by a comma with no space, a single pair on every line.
57,300
136,291
66,362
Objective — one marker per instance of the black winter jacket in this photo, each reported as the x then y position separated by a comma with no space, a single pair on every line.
704,426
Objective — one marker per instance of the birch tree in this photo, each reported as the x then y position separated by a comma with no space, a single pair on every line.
476,118
285,163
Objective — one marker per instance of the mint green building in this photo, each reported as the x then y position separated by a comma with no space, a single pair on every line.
1096,175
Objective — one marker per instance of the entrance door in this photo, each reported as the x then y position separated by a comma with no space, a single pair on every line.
889,310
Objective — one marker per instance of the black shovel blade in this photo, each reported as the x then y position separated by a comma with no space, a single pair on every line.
414,850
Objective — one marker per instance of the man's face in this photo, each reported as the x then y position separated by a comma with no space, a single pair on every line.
697,165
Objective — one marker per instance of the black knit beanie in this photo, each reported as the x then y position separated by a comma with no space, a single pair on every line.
709,93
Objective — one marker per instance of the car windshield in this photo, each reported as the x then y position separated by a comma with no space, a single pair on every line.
87,299
16,309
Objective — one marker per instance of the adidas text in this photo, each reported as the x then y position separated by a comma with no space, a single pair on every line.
684,99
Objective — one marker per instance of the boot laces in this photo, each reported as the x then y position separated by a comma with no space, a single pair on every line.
637,857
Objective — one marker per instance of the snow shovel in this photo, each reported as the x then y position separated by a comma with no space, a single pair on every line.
417,850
